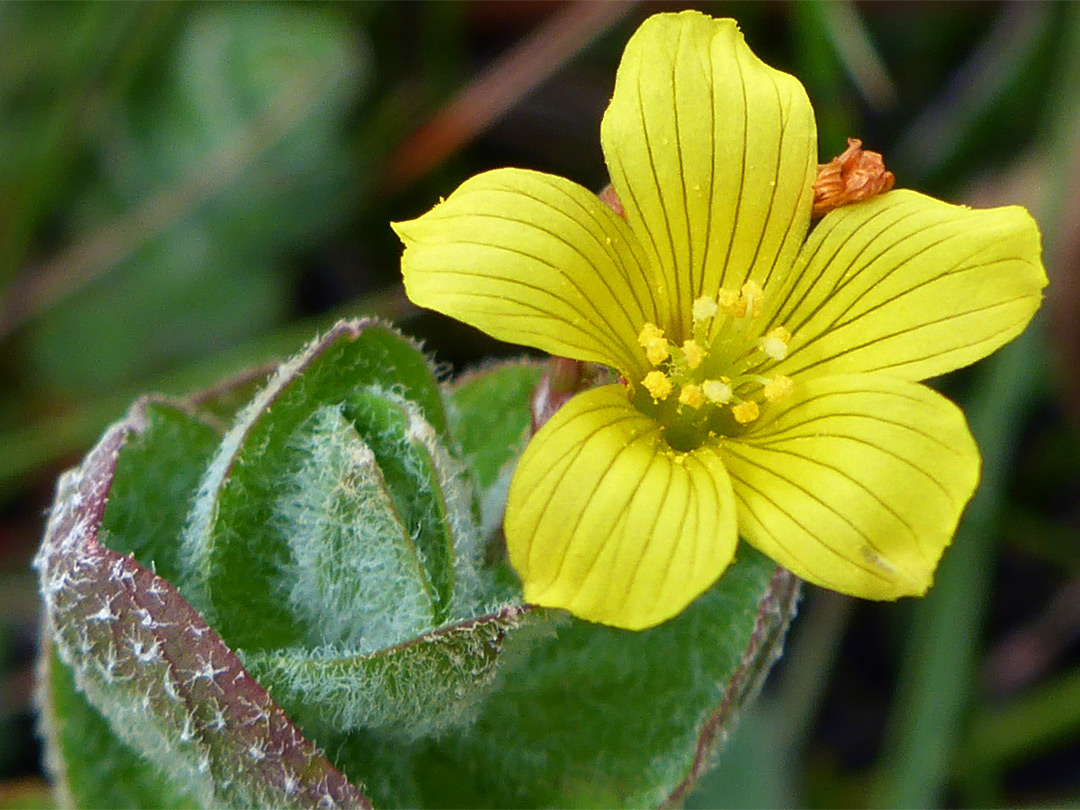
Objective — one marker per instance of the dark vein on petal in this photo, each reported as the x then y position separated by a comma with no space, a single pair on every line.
855,267
952,274
694,501
710,189
689,268
634,204
559,469
674,537
791,412
797,280
742,178
776,182
744,505
572,529
765,468
718,495
959,266
851,348
672,264
599,275
809,166
647,313
865,443
991,339
651,534
859,484
809,534
616,336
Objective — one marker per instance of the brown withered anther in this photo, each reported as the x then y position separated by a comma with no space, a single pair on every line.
853,176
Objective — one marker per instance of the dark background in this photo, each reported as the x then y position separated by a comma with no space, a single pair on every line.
189,190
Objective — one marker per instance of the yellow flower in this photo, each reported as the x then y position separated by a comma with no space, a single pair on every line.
802,425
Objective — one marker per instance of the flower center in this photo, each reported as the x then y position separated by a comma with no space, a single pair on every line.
713,385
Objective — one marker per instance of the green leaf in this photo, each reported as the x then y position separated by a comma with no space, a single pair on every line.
423,482
157,474
584,715
489,416
357,578
420,688
88,764
603,717
163,680
490,412
235,550
338,468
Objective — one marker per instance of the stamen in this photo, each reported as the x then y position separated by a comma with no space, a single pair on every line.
693,353
658,385
655,345
650,332
728,302
778,388
721,327
775,344
717,391
657,351
752,296
692,396
745,412
704,308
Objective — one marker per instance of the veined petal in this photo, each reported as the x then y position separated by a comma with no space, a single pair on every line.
607,521
857,484
713,155
534,259
911,285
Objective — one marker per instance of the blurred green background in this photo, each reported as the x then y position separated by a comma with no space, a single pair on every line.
187,191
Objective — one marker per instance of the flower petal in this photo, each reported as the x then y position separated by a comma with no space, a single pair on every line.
534,259
607,521
911,285
713,154
857,484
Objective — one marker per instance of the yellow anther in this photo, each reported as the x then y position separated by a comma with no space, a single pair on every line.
718,391
729,303
692,396
656,346
704,308
751,299
657,384
775,344
657,351
745,412
650,332
778,388
693,353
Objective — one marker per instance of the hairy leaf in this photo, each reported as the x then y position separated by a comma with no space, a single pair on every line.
162,678
88,764
357,578
416,689
489,415
155,481
595,716
235,554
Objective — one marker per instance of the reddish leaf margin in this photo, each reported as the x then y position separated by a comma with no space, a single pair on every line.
164,679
